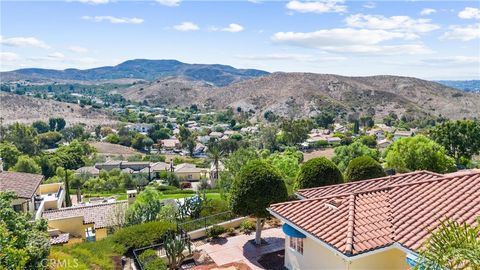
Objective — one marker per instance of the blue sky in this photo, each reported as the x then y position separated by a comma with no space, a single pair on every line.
425,39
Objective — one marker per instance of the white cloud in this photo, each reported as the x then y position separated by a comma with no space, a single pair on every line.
78,49
452,60
317,6
463,33
94,2
23,42
255,1
291,57
349,40
233,28
169,3
8,56
112,19
427,11
470,13
186,26
56,55
369,4
398,23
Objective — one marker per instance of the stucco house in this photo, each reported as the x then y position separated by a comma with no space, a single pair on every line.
188,172
31,196
84,223
373,224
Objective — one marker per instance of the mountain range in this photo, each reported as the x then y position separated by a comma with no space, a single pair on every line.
294,94
144,69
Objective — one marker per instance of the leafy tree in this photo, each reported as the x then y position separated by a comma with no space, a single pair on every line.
74,132
461,139
98,132
452,246
27,165
146,207
23,137
344,154
318,172
49,139
138,141
24,244
325,119
40,127
363,167
56,124
270,116
268,137
151,261
368,140
148,143
295,131
9,154
190,144
418,153
255,188
112,138
287,164
233,164
159,133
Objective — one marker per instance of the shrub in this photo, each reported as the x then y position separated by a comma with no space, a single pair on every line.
318,172
143,234
247,226
215,231
363,167
231,231
150,260
164,188
179,191
185,185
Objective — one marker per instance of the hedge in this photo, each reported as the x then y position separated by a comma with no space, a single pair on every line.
142,235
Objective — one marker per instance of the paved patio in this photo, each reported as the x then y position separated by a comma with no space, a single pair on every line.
238,249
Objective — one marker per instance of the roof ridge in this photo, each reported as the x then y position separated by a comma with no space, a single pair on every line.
350,225
84,206
376,179
380,188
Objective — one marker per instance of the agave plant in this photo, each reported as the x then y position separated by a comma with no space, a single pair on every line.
452,246
175,246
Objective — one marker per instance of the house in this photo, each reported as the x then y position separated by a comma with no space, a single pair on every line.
383,144
339,128
403,134
88,170
373,224
333,140
139,127
170,144
188,172
127,166
31,196
86,222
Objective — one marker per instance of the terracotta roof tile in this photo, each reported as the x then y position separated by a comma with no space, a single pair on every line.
102,214
60,239
403,210
23,184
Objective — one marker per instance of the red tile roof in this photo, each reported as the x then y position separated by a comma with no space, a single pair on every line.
102,214
23,184
60,239
367,184
404,213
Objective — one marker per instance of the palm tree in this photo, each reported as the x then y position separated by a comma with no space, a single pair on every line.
214,155
452,246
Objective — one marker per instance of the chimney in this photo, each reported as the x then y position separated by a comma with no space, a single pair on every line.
132,195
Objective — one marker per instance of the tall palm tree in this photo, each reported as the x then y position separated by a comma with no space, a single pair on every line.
452,246
215,154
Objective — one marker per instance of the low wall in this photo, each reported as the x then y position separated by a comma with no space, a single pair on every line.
226,224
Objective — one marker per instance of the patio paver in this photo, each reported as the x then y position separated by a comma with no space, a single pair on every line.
239,249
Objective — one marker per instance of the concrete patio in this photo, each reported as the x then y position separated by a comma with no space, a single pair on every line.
238,248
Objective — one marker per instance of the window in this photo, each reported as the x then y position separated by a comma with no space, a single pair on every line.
296,244
190,177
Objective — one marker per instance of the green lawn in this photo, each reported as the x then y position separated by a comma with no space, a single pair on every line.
213,196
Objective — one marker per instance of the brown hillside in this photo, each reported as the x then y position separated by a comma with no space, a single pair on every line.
23,109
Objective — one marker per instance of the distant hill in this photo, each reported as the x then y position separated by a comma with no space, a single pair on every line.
24,109
219,75
305,94
469,86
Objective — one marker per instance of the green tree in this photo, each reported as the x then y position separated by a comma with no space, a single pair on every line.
318,172
418,153
66,176
49,139
138,141
453,246
295,131
56,124
344,154
461,139
233,164
267,136
148,143
215,154
75,132
325,119
40,127
27,165
256,187
288,165
364,167
368,140
23,137
24,244
9,154
146,207
190,144
112,138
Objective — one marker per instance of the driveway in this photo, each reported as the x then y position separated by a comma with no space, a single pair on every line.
238,248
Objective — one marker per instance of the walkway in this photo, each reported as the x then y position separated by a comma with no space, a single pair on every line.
239,249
